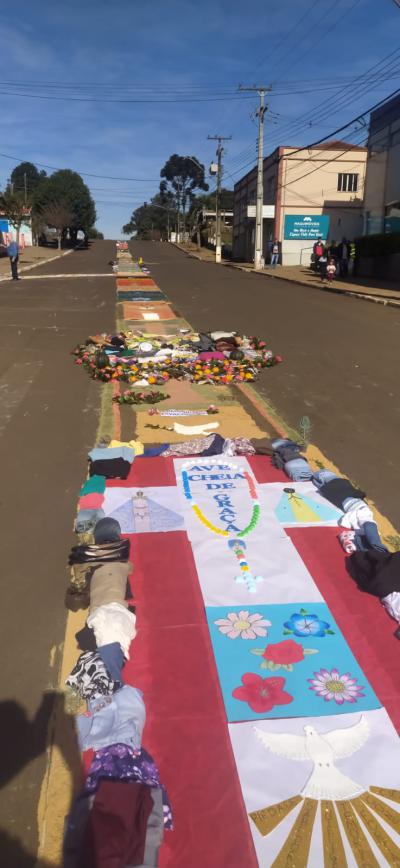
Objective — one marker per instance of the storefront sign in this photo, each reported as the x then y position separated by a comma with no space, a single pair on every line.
268,211
309,227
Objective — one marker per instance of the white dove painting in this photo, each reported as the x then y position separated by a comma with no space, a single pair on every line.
338,786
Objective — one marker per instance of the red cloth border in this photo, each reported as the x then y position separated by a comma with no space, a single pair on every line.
172,662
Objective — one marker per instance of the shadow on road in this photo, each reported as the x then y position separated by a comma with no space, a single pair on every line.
24,739
27,738
13,854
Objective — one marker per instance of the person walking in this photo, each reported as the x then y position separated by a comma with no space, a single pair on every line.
344,256
275,253
12,253
318,251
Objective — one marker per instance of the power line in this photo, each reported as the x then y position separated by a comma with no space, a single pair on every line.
86,174
342,128
300,124
185,99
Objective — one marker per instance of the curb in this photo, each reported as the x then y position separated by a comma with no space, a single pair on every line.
387,302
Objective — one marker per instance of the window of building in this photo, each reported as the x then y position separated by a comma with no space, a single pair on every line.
347,182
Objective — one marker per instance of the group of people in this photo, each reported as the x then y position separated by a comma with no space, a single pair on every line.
330,259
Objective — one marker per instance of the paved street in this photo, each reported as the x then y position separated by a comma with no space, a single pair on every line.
48,419
341,359
340,368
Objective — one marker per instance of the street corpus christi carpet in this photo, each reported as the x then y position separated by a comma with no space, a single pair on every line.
270,683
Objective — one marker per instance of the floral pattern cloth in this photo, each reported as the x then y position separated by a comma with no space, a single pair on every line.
330,685
90,677
121,763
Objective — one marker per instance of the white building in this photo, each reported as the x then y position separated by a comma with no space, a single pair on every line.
309,192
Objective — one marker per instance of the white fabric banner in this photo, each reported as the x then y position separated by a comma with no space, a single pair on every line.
242,553
350,763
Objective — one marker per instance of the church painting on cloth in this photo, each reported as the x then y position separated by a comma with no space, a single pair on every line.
299,504
327,790
285,661
146,510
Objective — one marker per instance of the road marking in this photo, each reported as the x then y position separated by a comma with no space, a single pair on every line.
42,262
51,276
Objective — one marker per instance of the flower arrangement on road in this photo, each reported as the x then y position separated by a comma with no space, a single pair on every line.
131,397
106,364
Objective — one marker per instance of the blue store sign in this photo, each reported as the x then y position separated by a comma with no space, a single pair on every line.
306,227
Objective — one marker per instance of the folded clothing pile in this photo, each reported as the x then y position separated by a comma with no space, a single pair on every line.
108,553
360,530
213,444
287,456
120,817
111,462
91,499
100,552
378,572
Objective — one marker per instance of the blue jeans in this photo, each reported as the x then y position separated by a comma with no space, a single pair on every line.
323,476
274,259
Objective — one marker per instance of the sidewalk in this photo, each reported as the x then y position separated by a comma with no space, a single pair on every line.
371,289
30,258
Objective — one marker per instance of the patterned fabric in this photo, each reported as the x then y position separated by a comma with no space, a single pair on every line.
189,447
239,446
121,763
90,677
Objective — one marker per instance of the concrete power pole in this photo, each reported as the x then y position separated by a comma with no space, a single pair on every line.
258,249
219,152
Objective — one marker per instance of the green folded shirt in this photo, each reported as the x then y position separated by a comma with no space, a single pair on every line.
94,485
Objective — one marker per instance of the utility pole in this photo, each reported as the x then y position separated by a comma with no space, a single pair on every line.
258,249
219,152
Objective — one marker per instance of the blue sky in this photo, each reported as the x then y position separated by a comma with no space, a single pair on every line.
117,49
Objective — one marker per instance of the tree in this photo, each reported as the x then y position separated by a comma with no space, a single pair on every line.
68,188
12,205
60,216
182,176
155,216
95,235
207,201
146,221
25,179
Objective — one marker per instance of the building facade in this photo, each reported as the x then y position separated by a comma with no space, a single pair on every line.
382,187
308,192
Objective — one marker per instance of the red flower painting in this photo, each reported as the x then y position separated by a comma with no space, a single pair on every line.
262,694
284,652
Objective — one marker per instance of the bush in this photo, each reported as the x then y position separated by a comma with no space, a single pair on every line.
378,245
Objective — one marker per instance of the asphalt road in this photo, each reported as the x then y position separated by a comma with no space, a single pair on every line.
48,420
340,368
341,359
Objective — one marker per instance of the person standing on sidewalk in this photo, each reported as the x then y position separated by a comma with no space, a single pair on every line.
275,253
12,253
318,251
344,256
322,265
331,269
